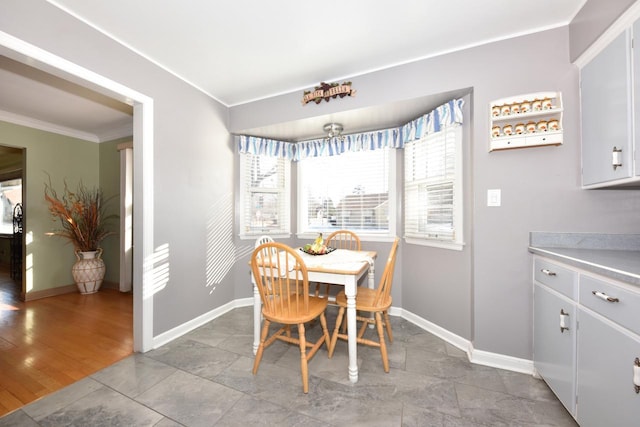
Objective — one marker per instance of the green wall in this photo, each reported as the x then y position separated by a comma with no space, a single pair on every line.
49,259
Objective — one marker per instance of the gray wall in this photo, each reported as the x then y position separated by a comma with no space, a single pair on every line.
592,20
484,293
192,157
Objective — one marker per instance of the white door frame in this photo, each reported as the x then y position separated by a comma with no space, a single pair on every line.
126,216
24,52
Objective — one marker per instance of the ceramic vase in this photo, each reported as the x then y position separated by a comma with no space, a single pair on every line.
88,271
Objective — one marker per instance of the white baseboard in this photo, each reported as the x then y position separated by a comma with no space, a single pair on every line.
479,357
189,326
501,361
451,338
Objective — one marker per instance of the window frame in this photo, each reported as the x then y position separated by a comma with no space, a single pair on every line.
245,197
457,243
369,235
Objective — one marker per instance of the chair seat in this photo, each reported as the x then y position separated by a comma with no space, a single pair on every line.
365,300
291,317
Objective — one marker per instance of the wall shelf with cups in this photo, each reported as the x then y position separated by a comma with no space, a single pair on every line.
525,121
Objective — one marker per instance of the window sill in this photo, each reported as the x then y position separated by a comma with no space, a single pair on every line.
364,237
454,246
257,236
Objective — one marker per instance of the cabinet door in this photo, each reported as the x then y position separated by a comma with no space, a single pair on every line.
636,88
554,353
606,113
606,394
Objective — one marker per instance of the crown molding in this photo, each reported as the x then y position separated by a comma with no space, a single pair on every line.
47,127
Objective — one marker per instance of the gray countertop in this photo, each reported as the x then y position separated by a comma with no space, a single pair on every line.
611,255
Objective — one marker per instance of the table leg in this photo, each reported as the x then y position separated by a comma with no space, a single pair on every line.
257,316
372,280
350,292
372,284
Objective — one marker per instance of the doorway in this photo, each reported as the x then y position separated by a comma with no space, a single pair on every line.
24,52
12,164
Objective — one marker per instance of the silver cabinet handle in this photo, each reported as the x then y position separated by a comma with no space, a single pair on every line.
564,321
548,272
636,375
616,157
604,296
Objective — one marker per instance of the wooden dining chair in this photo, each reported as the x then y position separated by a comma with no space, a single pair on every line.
376,301
265,239
283,284
339,239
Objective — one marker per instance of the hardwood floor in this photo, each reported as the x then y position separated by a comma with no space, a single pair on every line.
52,342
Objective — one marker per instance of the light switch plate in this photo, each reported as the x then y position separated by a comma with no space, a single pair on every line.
493,197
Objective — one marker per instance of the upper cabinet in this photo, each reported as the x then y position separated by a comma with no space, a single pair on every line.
609,117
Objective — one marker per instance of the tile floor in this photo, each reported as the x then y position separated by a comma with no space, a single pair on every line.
204,379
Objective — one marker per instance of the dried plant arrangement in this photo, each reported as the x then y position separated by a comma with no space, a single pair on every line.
81,213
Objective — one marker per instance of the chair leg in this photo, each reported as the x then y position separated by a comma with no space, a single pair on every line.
336,331
327,290
387,323
383,346
263,337
303,358
363,328
325,330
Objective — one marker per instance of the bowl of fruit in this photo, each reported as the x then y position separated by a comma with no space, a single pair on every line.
317,247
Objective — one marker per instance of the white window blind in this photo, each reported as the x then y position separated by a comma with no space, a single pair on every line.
433,187
346,191
264,195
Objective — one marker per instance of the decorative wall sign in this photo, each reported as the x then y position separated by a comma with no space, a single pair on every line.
327,91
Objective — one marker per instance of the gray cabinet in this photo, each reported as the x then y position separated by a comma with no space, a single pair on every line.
586,341
554,329
608,345
606,95
606,393
555,344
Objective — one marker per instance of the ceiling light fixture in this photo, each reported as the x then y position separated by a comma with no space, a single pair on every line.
333,130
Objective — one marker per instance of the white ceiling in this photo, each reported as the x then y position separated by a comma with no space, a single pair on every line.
237,51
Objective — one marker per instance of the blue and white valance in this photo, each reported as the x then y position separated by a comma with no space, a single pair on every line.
444,115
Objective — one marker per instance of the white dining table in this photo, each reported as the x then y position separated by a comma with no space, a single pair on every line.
340,267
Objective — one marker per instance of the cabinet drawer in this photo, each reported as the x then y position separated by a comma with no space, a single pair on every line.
624,307
551,138
556,277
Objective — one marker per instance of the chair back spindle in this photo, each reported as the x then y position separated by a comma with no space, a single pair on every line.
344,239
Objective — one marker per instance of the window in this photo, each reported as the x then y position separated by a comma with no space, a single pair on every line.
433,189
264,195
350,190
10,196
